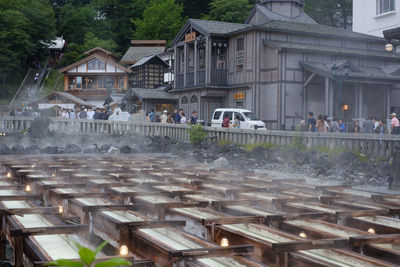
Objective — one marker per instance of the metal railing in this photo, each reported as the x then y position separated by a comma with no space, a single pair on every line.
369,144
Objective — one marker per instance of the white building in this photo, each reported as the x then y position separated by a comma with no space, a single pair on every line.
375,16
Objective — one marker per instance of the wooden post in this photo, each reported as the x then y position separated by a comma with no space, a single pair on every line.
2,238
19,250
66,83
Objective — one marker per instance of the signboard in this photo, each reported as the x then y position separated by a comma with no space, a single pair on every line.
239,96
190,37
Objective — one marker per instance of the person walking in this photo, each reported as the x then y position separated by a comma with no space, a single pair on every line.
83,114
174,115
193,118
311,122
152,116
368,126
183,118
357,128
226,123
342,127
321,124
164,117
334,127
395,124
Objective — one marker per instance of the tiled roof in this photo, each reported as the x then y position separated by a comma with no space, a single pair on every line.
152,94
135,54
217,27
147,59
318,29
302,18
370,73
329,49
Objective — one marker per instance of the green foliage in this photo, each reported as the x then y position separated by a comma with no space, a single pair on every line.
88,257
161,20
197,134
336,13
54,82
194,8
229,10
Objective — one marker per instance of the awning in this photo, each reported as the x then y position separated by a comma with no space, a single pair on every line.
66,106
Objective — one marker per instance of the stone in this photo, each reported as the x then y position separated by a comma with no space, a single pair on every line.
39,127
4,149
113,150
17,150
34,149
221,162
105,147
72,149
125,149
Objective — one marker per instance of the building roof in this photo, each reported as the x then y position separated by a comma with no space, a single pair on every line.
152,94
94,50
269,15
316,29
162,43
282,46
134,54
92,56
147,59
72,98
217,27
360,73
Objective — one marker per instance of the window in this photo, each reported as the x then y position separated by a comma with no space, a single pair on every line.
96,64
229,113
193,99
241,118
78,82
240,44
202,58
383,6
217,115
184,100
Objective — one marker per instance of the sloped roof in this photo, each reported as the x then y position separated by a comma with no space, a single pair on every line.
134,54
279,45
316,29
93,56
147,59
91,51
364,73
68,96
152,94
217,27
269,15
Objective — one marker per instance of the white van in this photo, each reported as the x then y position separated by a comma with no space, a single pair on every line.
247,119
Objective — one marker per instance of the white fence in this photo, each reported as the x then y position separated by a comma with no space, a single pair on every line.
369,144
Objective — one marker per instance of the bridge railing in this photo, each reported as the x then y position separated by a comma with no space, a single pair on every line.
369,144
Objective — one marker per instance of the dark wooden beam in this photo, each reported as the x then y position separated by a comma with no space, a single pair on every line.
309,245
151,224
211,252
373,239
50,230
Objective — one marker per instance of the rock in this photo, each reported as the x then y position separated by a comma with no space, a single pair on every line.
258,153
105,147
53,150
221,162
125,149
4,149
72,149
113,150
34,149
39,127
17,150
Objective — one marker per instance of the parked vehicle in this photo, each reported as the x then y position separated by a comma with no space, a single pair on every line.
247,119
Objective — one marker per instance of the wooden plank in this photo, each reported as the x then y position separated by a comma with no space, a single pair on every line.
33,210
211,252
50,230
373,239
151,224
309,245
233,220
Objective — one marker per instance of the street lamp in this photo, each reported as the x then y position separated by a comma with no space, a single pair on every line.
340,75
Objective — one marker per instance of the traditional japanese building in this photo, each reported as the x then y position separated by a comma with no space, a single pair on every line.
281,64
143,48
96,76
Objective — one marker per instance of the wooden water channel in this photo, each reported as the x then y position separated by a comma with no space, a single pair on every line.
370,144
167,214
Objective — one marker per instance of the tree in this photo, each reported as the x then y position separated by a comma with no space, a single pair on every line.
161,20
194,8
336,13
229,10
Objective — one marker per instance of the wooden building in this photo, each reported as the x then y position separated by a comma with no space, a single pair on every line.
96,76
281,64
143,48
148,72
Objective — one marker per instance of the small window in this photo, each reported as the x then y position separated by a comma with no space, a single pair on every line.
229,113
96,65
240,44
184,100
241,118
217,115
383,6
193,99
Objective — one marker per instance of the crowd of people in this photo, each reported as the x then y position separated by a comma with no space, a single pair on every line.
85,113
177,117
369,126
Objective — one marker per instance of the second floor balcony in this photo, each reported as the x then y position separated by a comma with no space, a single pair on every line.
218,77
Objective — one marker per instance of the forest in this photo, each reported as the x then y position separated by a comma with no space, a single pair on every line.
28,26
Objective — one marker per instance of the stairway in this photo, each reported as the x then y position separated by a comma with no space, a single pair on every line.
29,88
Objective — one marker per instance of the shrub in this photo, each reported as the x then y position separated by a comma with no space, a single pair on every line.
88,257
197,134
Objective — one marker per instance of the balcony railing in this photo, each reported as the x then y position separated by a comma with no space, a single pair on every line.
190,78
201,77
219,77
179,81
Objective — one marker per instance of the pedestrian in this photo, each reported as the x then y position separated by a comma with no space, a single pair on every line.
105,114
152,116
311,122
72,114
183,118
357,128
381,129
193,118
334,127
179,116
236,122
376,123
368,126
170,119
321,124
98,115
327,123
395,124
90,113
36,78
226,122
342,127
164,117
65,114
174,115
83,114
